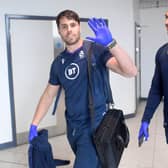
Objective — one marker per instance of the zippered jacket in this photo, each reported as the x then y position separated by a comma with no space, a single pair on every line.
40,153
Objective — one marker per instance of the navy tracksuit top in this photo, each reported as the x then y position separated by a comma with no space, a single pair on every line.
40,153
159,87
70,71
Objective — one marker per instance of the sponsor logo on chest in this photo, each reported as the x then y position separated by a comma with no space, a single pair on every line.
72,71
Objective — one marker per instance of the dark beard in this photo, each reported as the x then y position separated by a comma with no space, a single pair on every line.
72,43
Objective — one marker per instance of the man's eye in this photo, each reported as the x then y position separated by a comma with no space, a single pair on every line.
73,25
63,27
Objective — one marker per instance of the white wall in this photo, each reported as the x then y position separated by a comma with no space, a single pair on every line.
32,54
153,36
121,23
136,6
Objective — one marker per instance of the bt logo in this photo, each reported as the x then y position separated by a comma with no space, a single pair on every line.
72,71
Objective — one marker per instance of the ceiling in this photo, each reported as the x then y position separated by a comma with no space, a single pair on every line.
153,3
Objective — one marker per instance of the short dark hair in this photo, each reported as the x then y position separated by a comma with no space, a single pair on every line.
69,14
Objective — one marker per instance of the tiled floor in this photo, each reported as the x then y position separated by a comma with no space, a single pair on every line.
152,154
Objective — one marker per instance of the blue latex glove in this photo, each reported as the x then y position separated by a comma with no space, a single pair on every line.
32,132
101,31
144,130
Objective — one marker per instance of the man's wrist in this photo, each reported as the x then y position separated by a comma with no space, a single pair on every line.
112,44
34,124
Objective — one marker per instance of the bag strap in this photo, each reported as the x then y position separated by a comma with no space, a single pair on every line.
110,102
105,73
90,90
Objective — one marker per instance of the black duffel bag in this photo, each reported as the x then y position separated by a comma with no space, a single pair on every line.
110,138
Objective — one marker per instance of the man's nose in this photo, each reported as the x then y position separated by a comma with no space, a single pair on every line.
69,28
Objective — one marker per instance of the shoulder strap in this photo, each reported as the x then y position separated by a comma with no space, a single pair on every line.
86,46
87,50
108,91
90,85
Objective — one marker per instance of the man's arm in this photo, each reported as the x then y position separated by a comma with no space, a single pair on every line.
155,94
154,99
44,103
121,63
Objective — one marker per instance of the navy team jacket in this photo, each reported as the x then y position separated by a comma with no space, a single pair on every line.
159,88
40,153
